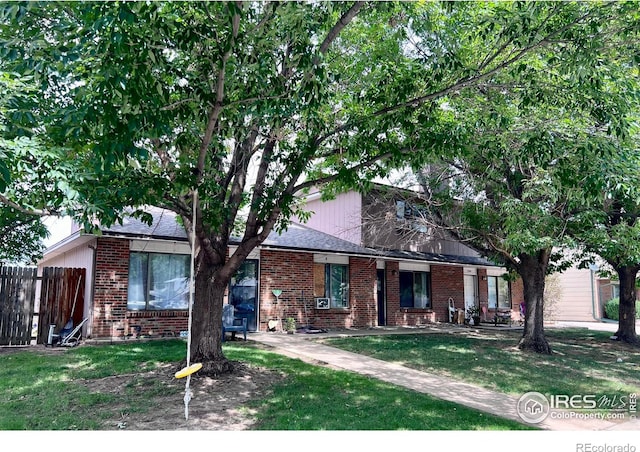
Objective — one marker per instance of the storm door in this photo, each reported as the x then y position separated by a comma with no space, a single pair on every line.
243,293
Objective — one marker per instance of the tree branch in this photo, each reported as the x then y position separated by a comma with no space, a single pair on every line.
460,84
339,26
35,212
216,109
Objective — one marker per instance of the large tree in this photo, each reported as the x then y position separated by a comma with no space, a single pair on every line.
610,226
251,102
512,161
510,196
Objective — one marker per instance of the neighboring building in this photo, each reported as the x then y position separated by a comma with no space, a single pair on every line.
583,294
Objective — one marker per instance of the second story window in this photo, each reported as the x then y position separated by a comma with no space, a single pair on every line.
411,215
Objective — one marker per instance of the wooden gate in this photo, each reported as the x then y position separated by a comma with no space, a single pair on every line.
17,297
61,299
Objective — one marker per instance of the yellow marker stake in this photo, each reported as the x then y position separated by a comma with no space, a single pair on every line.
189,370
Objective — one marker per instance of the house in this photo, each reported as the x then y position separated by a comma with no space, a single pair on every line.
427,259
392,220
137,280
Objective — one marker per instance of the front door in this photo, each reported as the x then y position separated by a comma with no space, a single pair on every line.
243,293
382,319
470,292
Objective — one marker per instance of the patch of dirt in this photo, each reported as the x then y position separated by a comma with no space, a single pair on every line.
158,397
41,349
216,404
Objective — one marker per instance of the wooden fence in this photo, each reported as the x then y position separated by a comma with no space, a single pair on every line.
61,299
17,298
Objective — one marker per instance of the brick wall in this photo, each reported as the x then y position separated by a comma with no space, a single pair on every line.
517,295
111,283
110,316
362,292
293,273
446,281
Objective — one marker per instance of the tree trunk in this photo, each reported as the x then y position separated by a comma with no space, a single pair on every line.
532,270
627,311
206,328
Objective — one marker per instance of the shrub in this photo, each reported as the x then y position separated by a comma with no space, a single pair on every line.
612,309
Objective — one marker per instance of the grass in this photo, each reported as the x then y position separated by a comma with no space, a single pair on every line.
583,362
49,392
45,392
318,398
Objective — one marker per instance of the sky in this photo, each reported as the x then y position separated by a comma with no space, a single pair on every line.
59,228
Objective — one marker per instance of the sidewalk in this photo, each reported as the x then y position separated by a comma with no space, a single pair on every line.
303,347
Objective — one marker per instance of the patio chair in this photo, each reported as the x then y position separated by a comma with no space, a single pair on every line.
452,310
231,323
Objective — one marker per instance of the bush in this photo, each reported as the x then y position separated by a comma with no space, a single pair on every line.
612,309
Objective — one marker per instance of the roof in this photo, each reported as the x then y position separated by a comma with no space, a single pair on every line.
166,226
302,237
439,258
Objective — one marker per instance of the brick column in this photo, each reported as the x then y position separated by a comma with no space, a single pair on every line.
392,275
362,291
111,286
446,281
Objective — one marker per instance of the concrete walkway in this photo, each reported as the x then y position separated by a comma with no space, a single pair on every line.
303,347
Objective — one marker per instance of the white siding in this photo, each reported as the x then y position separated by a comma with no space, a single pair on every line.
340,217
576,296
78,257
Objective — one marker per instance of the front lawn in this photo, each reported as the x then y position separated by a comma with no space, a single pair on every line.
131,386
584,362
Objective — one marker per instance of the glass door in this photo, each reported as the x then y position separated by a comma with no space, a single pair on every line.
243,293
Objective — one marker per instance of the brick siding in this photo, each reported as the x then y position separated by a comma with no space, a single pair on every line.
110,316
293,273
447,281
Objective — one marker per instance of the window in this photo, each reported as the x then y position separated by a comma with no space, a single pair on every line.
158,281
332,281
415,288
498,292
411,216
